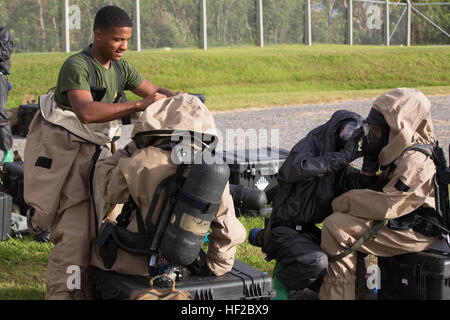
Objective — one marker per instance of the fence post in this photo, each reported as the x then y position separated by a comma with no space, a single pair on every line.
350,22
308,23
408,23
137,25
260,23
387,23
203,30
65,26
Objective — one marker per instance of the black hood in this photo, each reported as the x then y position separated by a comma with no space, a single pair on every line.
326,135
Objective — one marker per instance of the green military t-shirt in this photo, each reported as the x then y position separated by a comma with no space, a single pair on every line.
75,75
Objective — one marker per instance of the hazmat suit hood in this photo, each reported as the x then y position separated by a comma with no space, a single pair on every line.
161,121
327,135
178,114
407,112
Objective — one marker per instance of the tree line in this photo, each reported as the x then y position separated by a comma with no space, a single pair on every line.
37,24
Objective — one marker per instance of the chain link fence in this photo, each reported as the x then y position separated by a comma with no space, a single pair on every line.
368,20
397,23
430,23
283,22
328,21
66,25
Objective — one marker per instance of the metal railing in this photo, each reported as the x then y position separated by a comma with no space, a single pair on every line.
308,29
406,14
66,25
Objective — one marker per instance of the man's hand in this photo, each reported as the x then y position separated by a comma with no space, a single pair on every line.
150,100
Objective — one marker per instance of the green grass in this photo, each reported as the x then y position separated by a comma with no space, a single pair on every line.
262,77
23,264
250,254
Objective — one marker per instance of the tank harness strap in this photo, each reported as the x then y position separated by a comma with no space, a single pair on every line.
170,185
92,72
119,81
207,207
124,216
98,150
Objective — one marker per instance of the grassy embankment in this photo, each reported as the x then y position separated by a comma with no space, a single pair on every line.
262,77
233,78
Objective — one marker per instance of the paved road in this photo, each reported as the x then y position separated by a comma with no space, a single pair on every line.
293,123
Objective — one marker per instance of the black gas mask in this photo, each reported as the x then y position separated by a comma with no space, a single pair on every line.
348,129
376,136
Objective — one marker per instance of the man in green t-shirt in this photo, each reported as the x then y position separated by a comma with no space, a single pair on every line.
110,43
64,140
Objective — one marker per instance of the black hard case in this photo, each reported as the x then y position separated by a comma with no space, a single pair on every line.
256,168
415,276
26,114
241,283
5,215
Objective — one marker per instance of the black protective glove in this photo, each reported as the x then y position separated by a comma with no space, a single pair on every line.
33,230
348,153
370,164
43,236
199,266
351,147
371,152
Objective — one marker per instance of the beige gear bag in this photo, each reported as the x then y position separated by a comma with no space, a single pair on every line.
161,293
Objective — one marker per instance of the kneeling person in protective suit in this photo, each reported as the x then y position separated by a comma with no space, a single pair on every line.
397,120
137,171
315,172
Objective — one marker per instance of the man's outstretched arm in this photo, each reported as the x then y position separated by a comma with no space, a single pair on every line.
90,111
146,88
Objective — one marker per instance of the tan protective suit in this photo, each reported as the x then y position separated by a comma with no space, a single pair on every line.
407,113
58,160
137,172
59,193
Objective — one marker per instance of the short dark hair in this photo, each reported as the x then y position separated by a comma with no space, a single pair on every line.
111,17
